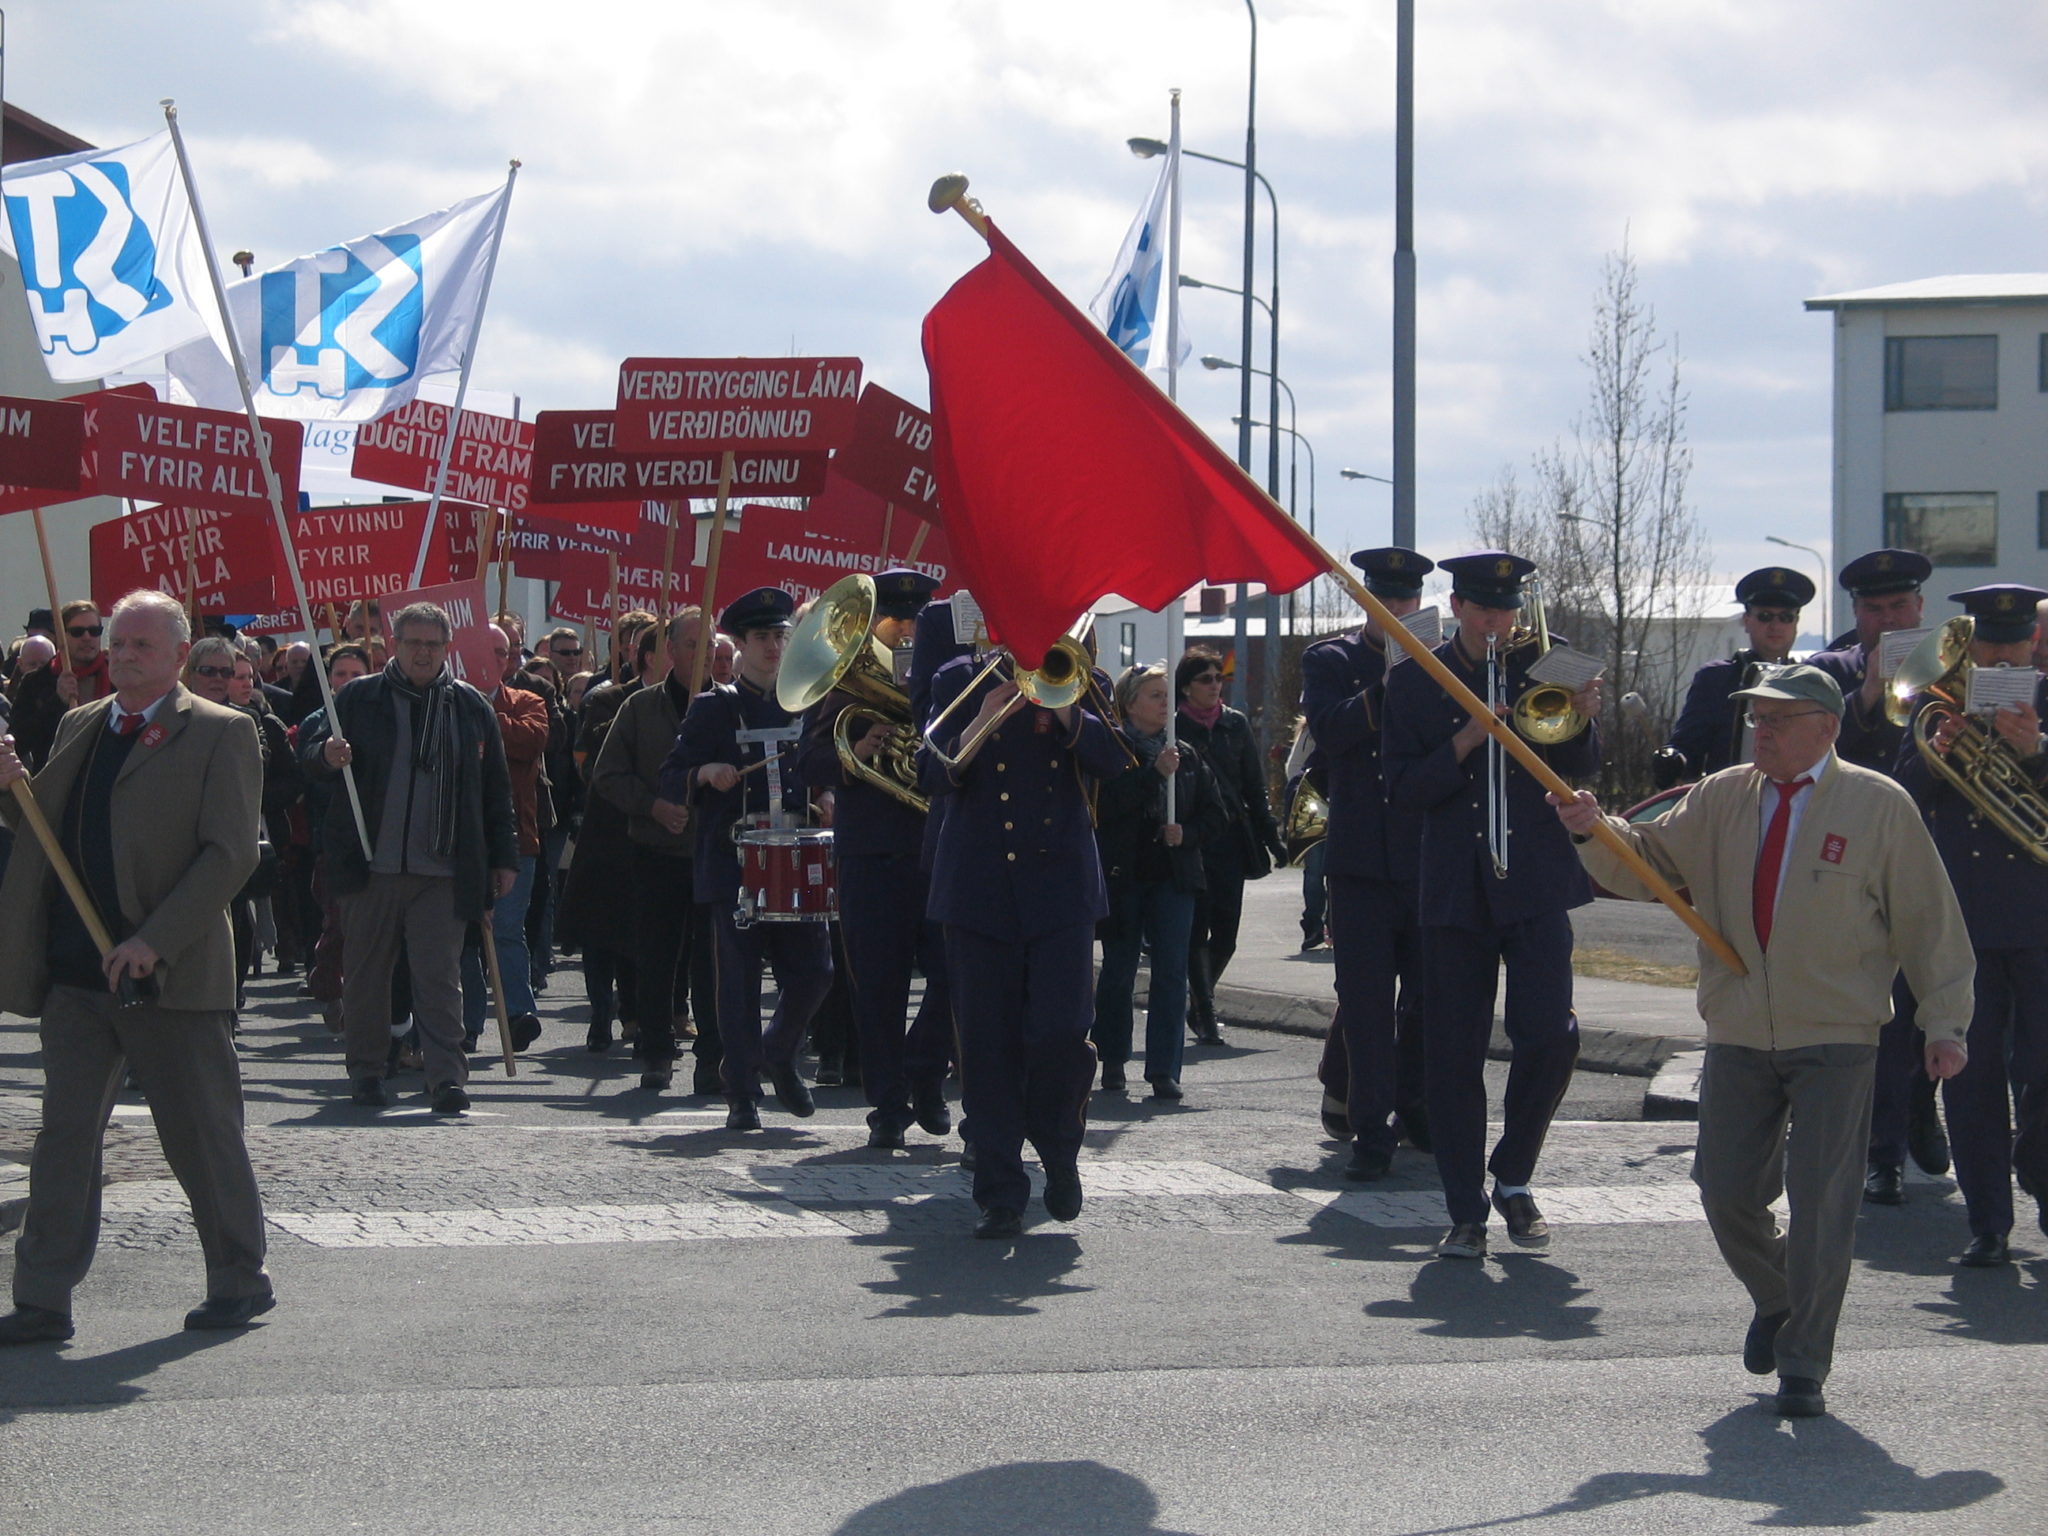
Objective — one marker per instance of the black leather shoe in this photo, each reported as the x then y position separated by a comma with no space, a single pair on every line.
1113,1080
229,1311
1165,1088
1000,1221
1466,1240
1799,1398
1336,1117
599,1040
967,1156
369,1092
1926,1141
706,1083
1063,1192
35,1325
1760,1344
928,1106
885,1136
1207,1034
1526,1226
1368,1164
1987,1250
449,1099
1885,1184
525,1030
740,1115
655,1078
830,1073
791,1093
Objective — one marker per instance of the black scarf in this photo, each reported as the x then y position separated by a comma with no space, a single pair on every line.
436,744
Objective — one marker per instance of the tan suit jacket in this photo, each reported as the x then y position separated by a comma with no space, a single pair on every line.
185,813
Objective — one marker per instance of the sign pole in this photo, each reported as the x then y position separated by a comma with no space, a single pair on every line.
924,531
50,584
888,526
191,563
666,605
612,607
702,659
262,441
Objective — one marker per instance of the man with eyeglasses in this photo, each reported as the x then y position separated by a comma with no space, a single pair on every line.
430,770
44,695
1823,878
1710,734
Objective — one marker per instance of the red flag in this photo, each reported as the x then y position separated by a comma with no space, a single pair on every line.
1066,475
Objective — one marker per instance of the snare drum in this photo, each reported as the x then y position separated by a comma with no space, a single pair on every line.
787,875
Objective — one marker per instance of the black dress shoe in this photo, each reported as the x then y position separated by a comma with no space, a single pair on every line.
1465,1240
1885,1184
1165,1088
1760,1344
229,1311
599,1040
791,1092
369,1092
1113,1080
1799,1398
706,1083
741,1115
1526,1226
830,1073
35,1325
967,1156
655,1077
525,1030
1063,1192
1926,1141
1000,1221
928,1105
1987,1250
885,1136
1207,1034
1336,1116
449,1099
1368,1164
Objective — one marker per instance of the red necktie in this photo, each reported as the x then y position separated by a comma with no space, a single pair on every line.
128,725
1770,859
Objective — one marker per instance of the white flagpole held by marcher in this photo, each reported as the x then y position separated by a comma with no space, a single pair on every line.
270,481
476,325
1176,615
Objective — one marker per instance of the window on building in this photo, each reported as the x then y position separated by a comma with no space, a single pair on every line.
2041,519
1941,373
1948,527
1127,644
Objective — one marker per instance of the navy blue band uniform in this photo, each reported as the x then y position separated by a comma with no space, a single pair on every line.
1473,919
1709,734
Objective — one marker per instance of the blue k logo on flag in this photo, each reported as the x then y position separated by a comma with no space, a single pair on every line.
344,319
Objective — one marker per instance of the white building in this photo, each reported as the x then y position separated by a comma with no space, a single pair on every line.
1941,425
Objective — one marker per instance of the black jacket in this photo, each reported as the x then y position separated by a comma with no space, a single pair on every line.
486,837
1233,756
1131,808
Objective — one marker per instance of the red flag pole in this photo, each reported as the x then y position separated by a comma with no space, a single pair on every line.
703,656
950,192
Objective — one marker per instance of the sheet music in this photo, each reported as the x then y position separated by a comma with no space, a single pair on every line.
1895,647
1992,688
1427,625
969,627
1567,667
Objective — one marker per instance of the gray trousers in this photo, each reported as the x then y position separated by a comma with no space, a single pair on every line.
1795,1123
420,911
186,1060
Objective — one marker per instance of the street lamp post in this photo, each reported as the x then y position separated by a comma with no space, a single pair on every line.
1827,633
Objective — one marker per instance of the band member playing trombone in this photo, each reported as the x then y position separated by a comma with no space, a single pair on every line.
1499,878
1372,864
705,771
1978,780
1710,734
1018,885
878,835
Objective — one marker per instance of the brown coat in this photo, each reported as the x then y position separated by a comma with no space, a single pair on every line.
185,812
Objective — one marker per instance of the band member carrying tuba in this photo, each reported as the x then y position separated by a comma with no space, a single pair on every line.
1710,734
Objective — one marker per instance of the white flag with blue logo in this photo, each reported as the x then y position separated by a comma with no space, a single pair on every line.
111,264
348,333
1127,308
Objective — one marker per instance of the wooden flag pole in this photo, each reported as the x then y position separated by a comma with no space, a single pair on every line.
39,824
334,621
924,531
483,543
667,605
950,192
498,995
50,586
702,659
191,564
612,607
888,526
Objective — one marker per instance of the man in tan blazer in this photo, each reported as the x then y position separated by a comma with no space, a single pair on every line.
155,797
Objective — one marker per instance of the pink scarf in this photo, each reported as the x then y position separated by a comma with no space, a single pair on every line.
1205,718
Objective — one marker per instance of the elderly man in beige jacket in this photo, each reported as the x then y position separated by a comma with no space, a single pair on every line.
1824,879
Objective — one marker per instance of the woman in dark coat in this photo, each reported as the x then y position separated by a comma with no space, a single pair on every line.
1249,847
1152,866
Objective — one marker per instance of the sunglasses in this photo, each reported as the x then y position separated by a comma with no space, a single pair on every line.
80,631
568,650
1775,615
1206,677
213,671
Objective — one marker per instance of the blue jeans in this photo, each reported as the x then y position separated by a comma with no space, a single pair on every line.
508,927
1163,918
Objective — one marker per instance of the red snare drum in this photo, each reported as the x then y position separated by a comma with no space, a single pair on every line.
787,875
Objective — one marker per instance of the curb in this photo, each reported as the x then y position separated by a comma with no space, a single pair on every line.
1675,1092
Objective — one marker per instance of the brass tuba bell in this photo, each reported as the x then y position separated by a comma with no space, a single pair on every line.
1544,713
834,647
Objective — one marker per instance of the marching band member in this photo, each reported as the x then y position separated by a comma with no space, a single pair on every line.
878,839
1710,734
1372,863
1478,907
1018,886
703,771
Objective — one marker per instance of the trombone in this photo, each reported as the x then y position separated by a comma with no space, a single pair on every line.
1496,762
1061,679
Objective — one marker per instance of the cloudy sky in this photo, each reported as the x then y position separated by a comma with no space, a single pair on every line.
749,178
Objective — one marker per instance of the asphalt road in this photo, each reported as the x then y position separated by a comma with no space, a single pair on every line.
585,1308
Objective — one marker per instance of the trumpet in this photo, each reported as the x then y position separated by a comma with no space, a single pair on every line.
834,647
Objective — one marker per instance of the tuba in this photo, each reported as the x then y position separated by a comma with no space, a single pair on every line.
1544,714
834,647
1978,765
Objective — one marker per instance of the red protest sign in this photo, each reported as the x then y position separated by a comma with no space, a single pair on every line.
189,456
793,550
710,404
576,458
491,465
19,498
41,443
584,596
536,548
471,655
891,453
233,556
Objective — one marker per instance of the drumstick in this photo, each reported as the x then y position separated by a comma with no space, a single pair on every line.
753,767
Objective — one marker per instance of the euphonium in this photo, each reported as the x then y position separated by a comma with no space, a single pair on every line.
834,648
1979,764
1544,713
1307,822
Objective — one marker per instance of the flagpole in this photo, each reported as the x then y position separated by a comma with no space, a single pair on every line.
612,618
1176,614
476,325
703,656
262,441
950,192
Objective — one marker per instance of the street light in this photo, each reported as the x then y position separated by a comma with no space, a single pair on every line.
1311,447
1359,474
1826,629
1196,282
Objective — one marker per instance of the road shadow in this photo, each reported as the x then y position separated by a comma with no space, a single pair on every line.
1021,1498
2004,1305
1511,1296
944,1272
1809,1472
51,1378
